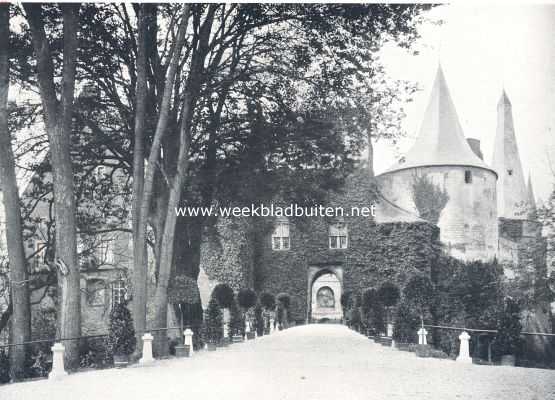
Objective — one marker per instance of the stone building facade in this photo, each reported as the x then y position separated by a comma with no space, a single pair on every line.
473,223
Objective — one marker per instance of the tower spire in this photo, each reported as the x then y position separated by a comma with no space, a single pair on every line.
441,140
512,196
532,209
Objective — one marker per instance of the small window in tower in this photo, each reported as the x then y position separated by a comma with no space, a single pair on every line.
510,172
467,176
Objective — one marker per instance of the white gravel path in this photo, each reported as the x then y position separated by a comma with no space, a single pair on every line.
315,362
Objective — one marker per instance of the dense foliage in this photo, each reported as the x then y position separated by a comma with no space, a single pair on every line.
223,293
236,320
405,323
246,298
213,330
507,340
121,338
268,301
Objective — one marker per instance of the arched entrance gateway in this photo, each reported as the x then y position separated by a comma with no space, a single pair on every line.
324,294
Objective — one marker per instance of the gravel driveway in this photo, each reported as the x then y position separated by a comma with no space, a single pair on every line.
314,362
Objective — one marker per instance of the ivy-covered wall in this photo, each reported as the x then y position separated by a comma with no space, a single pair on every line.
239,250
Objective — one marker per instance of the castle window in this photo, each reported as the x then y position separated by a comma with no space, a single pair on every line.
96,293
280,237
510,172
338,236
467,176
119,292
104,254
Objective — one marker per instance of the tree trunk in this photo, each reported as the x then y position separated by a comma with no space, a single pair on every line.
58,121
140,269
166,253
139,252
370,154
21,317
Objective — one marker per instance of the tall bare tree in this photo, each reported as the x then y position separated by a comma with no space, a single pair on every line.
21,317
58,116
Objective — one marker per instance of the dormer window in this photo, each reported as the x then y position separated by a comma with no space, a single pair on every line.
280,236
338,236
467,176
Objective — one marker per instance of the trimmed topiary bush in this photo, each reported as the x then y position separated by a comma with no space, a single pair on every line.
284,300
388,294
405,324
223,293
259,319
246,298
121,337
213,331
507,340
373,313
236,321
268,301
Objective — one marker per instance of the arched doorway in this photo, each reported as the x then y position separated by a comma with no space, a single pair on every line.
324,296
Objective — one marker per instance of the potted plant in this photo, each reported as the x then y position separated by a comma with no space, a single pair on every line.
268,302
259,319
282,310
223,293
236,323
507,341
247,300
121,338
213,328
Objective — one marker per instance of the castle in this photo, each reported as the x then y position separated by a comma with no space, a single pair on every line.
441,196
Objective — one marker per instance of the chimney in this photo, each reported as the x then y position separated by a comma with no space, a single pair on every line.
475,146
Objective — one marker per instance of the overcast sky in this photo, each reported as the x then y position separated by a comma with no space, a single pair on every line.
483,49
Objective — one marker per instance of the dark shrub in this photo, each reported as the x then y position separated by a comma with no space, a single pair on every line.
284,300
259,319
121,338
373,312
213,330
224,295
419,293
388,294
246,298
183,289
268,301
346,300
406,324
507,340
236,320
4,367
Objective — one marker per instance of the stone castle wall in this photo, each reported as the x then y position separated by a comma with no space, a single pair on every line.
468,222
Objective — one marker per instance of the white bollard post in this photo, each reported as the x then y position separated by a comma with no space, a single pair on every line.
464,350
58,370
389,329
226,330
189,340
422,336
147,349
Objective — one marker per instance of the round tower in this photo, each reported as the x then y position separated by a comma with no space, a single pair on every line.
444,181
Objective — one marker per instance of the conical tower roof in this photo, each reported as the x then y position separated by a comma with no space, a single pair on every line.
512,194
441,140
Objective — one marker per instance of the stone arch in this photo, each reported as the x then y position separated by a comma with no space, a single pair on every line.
327,281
